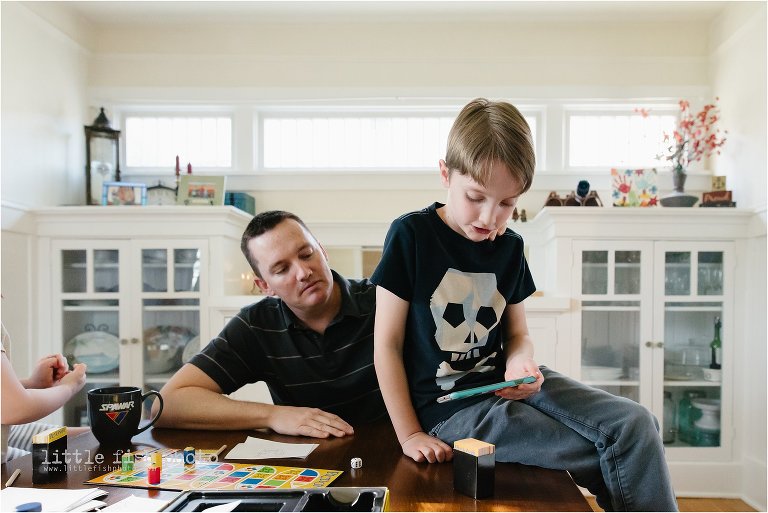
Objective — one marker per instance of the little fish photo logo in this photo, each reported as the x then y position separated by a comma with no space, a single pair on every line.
117,411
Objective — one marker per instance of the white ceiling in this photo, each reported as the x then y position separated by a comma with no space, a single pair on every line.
319,11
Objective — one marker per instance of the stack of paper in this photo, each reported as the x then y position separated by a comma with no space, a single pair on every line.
83,499
258,449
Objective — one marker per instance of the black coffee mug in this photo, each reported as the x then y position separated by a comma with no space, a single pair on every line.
115,412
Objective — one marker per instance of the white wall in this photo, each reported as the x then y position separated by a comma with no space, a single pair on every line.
258,62
43,111
739,78
43,105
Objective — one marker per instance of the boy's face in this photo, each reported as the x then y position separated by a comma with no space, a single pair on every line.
476,211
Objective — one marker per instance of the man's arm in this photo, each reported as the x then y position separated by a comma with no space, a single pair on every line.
391,314
192,400
518,349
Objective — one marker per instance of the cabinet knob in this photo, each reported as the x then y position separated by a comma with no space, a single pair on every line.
123,342
134,341
649,344
659,344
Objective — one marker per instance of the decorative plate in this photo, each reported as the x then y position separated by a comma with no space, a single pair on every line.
99,350
190,350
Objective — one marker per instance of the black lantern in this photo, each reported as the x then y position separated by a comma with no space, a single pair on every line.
102,157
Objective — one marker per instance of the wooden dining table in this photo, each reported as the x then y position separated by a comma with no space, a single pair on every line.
412,486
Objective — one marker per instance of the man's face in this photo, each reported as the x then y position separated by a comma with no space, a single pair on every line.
475,211
293,266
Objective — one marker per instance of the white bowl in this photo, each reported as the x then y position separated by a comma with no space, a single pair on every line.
712,374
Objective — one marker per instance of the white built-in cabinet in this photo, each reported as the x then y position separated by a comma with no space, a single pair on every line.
126,290
646,287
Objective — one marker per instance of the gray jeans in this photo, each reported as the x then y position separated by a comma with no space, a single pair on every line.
609,444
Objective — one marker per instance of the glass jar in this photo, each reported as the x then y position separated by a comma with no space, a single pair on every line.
685,415
670,419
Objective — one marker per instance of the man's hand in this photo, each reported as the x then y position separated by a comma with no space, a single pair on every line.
294,420
520,367
420,446
48,372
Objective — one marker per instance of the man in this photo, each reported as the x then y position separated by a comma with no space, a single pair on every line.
311,342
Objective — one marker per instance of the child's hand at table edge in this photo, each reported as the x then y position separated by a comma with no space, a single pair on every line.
422,447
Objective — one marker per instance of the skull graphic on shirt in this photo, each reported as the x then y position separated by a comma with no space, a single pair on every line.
465,307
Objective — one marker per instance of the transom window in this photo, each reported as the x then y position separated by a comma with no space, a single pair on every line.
368,141
154,141
618,137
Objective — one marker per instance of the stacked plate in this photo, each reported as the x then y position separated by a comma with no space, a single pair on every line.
600,373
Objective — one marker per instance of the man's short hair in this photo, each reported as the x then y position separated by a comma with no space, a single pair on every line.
261,224
486,132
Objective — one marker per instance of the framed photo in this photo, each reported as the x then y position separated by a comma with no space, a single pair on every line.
123,193
201,190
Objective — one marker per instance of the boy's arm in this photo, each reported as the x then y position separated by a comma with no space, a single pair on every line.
391,314
518,349
192,400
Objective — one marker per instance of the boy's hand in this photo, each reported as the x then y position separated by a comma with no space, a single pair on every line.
420,446
519,367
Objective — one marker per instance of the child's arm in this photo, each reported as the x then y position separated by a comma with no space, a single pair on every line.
391,314
518,349
20,405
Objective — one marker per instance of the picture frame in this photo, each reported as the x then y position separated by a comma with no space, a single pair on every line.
201,190
123,193
634,187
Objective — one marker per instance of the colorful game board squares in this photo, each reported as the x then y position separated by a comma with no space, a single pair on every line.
248,484
263,475
239,473
309,472
274,482
304,479
283,476
267,470
188,477
229,479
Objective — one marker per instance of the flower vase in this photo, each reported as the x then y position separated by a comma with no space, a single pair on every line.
679,198
678,180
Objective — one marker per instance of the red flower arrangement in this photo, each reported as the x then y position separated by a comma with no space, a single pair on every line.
696,136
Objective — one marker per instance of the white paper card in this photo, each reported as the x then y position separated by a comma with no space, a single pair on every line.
259,449
51,499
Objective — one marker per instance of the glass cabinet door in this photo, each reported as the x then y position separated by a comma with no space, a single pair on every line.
693,318
610,291
170,311
89,305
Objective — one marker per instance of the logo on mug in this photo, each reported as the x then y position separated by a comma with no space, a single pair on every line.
116,411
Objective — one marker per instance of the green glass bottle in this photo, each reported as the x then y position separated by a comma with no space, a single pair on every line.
716,346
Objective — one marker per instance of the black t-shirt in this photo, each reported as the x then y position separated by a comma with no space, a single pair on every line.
457,290
333,371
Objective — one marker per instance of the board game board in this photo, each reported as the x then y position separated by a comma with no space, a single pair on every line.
215,475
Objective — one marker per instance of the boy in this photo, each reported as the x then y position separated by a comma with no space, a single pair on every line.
449,316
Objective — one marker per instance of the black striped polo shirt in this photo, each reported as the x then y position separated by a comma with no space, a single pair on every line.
333,372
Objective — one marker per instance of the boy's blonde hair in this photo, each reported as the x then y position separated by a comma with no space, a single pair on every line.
486,132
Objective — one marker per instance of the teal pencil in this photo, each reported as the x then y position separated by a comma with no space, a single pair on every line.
483,390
